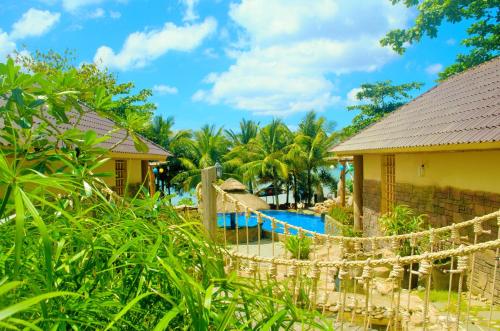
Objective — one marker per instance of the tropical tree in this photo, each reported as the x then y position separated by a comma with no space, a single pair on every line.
267,152
376,101
90,75
161,132
248,131
312,146
483,34
238,155
207,147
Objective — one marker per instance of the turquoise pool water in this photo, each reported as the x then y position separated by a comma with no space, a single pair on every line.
309,222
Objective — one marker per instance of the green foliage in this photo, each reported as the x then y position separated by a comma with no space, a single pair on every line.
90,75
75,257
376,101
311,148
299,247
402,220
345,216
186,201
483,34
266,153
207,147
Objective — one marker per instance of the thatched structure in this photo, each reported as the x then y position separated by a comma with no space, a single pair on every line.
238,191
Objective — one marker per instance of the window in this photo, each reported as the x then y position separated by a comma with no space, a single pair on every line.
388,183
121,176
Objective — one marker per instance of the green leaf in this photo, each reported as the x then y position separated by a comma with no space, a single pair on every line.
126,309
139,145
23,305
168,317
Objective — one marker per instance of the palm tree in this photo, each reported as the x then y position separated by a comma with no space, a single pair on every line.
312,146
248,131
161,132
238,155
266,153
207,147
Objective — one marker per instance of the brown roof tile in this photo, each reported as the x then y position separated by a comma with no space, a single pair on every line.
102,126
463,109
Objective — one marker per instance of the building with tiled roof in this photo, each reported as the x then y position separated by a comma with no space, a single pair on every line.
438,154
127,166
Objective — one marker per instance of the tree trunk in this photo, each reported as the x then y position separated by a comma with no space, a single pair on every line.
250,187
276,193
287,192
295,193
308,187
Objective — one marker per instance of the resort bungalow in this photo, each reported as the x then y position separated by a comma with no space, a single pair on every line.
438,154
127,166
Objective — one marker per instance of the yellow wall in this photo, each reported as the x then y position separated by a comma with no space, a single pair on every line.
372,166
469,170
134,171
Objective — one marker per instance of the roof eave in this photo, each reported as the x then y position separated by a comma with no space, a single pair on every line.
478,146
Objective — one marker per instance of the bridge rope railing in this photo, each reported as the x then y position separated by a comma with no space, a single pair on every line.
347,285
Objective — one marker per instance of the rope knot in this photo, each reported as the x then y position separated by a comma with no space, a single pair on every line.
273,270
394,244
397,271
425,268
463,263
315,271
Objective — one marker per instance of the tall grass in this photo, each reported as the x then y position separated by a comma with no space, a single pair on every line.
75,257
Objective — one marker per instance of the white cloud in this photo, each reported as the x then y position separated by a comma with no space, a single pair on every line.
451,41
352,95
7,46
165,89
97,13
74,5
211,53
140,48
34,22
190,14
115,14
434,68
283,62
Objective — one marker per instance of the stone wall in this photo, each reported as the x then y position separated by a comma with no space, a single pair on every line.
443,206
371,207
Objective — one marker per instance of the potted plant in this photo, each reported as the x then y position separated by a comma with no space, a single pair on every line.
402,220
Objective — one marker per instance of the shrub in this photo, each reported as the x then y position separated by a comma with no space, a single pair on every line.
186,201
299,247
401,220
76,257
345,216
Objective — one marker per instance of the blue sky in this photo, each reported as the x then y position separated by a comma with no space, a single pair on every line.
215,61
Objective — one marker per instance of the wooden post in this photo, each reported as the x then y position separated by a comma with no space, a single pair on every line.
342,184
358,192
209,197
152,184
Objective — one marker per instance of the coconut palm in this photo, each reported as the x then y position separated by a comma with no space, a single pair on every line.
238,155
161,132
248,131
311,146
207,147
267,153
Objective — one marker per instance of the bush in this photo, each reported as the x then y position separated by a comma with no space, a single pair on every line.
345,216
401,220
76,257
186,201
299,247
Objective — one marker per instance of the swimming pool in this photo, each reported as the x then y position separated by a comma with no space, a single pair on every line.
309,222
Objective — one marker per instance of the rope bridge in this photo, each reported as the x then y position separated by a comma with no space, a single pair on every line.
360,281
